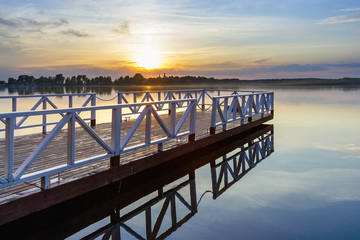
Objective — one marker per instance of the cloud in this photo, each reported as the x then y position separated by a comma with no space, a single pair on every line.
8,23
124,29
355,17
32,25
350,10
347,148
75,33
258,61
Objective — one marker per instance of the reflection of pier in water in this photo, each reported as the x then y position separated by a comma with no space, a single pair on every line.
167,200
144,205
240,163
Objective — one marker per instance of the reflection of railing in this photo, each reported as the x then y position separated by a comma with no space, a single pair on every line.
239,107
172,198
231,169
44,101
118,145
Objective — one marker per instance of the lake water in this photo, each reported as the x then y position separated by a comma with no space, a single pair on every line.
308,188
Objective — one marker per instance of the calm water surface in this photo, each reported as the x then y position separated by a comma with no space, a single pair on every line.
308,188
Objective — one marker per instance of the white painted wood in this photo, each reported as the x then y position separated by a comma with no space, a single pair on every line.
9,148
93,134
71,140
148,126
133,128
43,144
116,130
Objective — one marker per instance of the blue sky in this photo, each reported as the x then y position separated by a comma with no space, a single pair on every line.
243,39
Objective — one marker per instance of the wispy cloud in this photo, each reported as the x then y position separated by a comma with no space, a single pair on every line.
259,61
72,32
350,10
123,29
32,25
355,17
7,22
347,148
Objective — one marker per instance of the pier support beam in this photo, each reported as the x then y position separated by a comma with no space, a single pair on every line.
45,182
115,161
160,147
93,122
192,137
212,130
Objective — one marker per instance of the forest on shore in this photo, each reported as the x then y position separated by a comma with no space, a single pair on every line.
139,79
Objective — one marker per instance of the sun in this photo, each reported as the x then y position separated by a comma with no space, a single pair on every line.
148,59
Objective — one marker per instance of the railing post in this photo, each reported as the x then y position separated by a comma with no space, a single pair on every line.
44,116
272,102
115,136
262,102
213,115
14,106
119,99
257,104
71,140
160,147
192,126
93,116
226,106
172,118
203,99
250,110
9,148
242,109
70,101
45,182
148,126
170,98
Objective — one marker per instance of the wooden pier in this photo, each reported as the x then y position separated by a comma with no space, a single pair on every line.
228,162
40,170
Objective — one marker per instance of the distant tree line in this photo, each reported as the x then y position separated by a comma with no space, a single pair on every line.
139,79
83,80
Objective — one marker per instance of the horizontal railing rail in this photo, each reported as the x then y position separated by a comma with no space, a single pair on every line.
239,107
43,101
119,144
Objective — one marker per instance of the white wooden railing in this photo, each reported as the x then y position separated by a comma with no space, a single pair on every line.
240,107
229,105
43,101
118,145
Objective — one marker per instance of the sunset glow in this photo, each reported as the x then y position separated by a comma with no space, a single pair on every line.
148,60
221,39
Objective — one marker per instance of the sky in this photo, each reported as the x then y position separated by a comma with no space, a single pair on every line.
243,39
